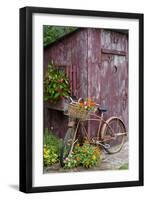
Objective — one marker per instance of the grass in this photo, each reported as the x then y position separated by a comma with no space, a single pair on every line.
124,166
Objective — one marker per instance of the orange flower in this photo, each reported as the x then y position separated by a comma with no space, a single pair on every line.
77,158
81,104
92,103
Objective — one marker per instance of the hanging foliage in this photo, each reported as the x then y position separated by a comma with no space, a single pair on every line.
56,85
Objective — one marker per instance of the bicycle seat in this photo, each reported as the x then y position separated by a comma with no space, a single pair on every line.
102,109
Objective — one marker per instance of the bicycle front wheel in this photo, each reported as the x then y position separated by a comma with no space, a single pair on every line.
67,146
113,135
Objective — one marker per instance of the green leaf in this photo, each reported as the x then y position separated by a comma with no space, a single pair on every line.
57,95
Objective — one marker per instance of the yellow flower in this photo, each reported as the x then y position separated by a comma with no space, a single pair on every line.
93,157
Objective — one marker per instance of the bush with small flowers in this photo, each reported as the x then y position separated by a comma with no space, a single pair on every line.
86,155
70,162
51,148
56,85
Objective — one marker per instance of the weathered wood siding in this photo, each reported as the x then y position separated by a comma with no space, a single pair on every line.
71,53
114,74
96,62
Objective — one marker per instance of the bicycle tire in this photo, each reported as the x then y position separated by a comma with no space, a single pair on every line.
67,145
116,141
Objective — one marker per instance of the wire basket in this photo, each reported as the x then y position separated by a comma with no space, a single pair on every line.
75,111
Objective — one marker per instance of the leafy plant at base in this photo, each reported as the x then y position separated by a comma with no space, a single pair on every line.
70,162
56,85
50,155
51,148
86,155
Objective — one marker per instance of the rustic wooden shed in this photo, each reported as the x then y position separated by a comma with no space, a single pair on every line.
96,62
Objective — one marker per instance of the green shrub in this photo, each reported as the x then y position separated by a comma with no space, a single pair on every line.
56,85
86,155
51,148
50,155
70,162
51,139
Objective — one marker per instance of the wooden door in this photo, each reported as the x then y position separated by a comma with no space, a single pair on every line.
114,84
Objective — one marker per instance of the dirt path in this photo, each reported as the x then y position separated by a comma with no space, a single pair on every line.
109,162
115,161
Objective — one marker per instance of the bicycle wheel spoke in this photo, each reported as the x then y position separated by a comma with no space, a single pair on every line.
114,135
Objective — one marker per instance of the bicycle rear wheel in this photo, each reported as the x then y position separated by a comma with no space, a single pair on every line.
113,135
67,146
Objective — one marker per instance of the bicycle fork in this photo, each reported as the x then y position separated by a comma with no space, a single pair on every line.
71,124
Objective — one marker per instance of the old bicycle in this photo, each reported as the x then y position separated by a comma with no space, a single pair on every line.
110,134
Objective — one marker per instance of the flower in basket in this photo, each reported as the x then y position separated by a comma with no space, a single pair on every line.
88,104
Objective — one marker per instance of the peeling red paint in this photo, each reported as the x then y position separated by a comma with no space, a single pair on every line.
96,62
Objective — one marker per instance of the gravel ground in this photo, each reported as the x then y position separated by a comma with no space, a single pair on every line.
109,162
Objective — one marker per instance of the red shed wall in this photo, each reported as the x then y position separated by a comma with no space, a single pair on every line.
70,52
96,62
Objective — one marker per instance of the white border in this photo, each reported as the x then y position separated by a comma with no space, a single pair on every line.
40,179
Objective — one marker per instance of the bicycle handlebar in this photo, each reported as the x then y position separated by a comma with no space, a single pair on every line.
72,101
